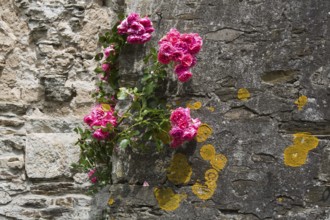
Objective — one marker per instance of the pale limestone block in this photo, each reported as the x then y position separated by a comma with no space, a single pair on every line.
50,155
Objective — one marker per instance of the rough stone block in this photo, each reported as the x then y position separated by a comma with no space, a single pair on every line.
50,155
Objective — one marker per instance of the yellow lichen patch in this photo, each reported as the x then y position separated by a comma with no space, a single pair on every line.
295,156
194,106
211,184
211,109
305,140
211,175
203,191
243,94
203,133
219,162
167,199
106,107
111,201
301,102
279,199
207,152
179,171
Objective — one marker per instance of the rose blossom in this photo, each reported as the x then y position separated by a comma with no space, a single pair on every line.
138,29
179,69
185,76
100,120
180,117
177,133
184,128
100,134
92,178
181,49
105,67
107,51
187,60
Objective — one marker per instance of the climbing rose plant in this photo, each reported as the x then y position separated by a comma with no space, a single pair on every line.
145,120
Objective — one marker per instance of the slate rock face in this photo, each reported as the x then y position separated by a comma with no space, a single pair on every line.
277,50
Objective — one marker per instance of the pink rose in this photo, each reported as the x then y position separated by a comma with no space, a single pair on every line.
134,39
173,36
184,77
188,38
100,134
177,56
180,69
88,119
147,24
167,49
195,48
187,60
132,18
136,28
177,133
145,37
109,50
122,28
91,172
189,133
197,45
180,117
91,176
106,67
93,179
182,46
195,123
164,59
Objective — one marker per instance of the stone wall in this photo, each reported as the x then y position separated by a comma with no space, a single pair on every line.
46,77
259,58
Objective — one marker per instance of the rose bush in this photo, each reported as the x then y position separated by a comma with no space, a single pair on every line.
146,121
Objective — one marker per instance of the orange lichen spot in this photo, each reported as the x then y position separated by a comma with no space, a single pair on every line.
211,109
111,201
179,172
167,199
203,192
305,140
204,132
243,94
301,102
106,107
295,156
207,152
219,162
211,175
194,106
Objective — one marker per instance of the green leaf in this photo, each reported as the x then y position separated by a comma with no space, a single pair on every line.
98,56
149,88
124,143
98,70
122,94
102,39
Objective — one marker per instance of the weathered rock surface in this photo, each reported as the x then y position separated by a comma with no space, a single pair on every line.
277,50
